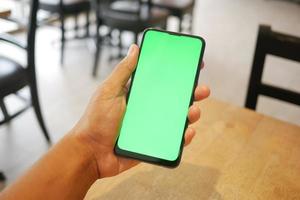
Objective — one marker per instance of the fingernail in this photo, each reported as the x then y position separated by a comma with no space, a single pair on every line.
131,50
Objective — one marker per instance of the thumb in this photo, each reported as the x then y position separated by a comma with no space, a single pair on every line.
124,69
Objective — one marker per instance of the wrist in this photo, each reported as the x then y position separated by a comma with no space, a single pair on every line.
86,153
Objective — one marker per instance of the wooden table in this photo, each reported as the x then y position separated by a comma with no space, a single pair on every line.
5,8
237,154
5,11
7,26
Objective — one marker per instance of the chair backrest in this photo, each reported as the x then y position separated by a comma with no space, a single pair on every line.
30,39
278,44
107,5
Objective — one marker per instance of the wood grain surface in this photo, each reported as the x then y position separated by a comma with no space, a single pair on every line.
237,154
7,26
5,11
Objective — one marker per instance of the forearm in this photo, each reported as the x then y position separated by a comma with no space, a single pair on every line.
65,172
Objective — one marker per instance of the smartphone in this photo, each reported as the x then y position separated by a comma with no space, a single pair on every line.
159,97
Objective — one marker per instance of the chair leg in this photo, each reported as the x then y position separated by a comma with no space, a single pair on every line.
37,110
87,25
63,39
136,38
97,53
180,23
76,27
120,44
191,24
164,25
2,177
4,110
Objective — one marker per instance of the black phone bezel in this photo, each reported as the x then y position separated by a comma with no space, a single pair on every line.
149,159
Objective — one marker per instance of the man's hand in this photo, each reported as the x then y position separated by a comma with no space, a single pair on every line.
86,154
98,128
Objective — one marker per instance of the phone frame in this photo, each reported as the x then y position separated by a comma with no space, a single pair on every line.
149,159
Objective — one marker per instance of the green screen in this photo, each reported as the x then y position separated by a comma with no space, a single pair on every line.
158,104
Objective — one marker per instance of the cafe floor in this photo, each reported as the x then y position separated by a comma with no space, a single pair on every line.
230,29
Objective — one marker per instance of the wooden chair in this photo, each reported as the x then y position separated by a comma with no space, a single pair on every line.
67,8
179,9
278,44
134,16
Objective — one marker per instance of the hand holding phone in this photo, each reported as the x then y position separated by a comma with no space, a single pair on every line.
159,98
99,127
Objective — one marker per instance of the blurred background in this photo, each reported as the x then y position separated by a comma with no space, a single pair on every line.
78,43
